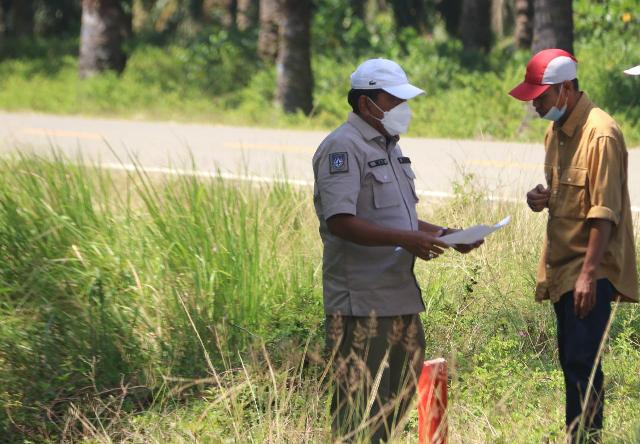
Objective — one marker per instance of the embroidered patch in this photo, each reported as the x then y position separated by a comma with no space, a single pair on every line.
338,163
377,163
404,160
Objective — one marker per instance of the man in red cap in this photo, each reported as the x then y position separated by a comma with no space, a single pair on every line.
588,258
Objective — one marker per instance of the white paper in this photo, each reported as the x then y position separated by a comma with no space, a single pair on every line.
473,234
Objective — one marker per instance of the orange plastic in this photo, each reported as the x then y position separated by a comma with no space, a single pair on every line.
432,402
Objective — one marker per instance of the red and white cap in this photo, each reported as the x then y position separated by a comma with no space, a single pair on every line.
635,71
546,68
386,75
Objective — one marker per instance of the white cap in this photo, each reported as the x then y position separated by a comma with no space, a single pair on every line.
386,75
635,71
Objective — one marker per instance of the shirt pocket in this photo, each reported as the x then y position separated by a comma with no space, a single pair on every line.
385,190
411,178
571,201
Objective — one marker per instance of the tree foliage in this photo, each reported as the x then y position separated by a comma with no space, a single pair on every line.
227,44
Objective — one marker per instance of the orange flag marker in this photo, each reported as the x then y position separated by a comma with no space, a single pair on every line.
432,402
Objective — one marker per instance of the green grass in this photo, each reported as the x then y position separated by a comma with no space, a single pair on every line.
148,308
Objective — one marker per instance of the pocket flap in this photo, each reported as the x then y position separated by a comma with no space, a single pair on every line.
381,175
574,176
408,171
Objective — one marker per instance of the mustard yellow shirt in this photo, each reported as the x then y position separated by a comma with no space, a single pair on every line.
586,171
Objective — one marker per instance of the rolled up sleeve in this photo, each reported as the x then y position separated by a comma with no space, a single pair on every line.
338,190
606,170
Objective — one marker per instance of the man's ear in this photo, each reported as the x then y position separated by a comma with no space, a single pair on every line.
568,85
363,105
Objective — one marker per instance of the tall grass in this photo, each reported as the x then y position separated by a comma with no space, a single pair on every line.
147,308
103,276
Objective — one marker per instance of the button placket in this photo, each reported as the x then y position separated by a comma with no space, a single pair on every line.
548,247
394,168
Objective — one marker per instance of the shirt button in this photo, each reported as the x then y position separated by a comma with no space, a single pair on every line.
555,191
385,177
548,266
561,143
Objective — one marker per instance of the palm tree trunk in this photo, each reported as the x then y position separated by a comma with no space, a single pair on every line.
359,8
552,25
498,17
247,14
21,17
3,21
295,79
224,11
451,11
475,24
105,27
524,24
410,14
268,33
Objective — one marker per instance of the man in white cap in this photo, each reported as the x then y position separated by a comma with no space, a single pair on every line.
365,200
588,257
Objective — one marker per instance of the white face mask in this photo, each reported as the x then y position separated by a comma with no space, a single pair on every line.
396,120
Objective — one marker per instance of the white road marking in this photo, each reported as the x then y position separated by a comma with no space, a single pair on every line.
270,147
204,174
271,180
491,163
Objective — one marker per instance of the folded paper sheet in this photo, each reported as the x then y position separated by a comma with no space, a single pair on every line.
473,234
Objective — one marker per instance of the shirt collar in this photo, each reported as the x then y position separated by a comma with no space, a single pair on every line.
367,131
578,116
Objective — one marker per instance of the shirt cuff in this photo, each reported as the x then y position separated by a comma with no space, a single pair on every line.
599,212
345,208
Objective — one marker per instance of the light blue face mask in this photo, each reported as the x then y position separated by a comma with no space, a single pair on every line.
556,113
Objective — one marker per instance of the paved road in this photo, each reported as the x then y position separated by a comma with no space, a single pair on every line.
506,170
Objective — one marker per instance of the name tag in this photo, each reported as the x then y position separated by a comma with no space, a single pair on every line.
404,160
377,163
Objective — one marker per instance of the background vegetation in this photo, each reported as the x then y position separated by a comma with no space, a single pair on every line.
211,72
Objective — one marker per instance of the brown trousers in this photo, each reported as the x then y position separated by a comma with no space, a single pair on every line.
376,363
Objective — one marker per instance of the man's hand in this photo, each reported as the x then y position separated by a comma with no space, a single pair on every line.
584,295
585,290
462,248
424,245
538,198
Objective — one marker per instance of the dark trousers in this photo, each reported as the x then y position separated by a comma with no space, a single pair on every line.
376,362
578,344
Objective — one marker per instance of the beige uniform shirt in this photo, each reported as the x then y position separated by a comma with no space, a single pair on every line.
586,171
357,173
